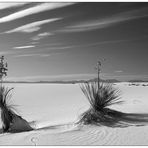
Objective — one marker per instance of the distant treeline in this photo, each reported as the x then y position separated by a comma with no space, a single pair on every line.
75,81
66,82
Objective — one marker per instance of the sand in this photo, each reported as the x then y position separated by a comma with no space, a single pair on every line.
55,107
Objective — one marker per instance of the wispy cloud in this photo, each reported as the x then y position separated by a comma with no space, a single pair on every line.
62,46
34,42
5,53
32,27
128,77
106,22
32,55
42,35
24,47
33,10
54,77
9,5
118,71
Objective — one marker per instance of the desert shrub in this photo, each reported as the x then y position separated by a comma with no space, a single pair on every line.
11,121
7,111
100,98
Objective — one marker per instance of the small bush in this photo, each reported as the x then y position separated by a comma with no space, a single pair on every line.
100,99
11,122
6,108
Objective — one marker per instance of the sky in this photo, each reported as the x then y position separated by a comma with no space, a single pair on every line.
64,40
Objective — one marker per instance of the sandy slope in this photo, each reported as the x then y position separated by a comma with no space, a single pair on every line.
88,135
55,106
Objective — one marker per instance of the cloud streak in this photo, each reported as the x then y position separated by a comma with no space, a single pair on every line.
32,27
41,36
4,53
61,46
107,22
54,77
118,71
33,10
32,55
10,5
24,47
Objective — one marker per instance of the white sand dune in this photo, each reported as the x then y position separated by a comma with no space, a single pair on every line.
55,107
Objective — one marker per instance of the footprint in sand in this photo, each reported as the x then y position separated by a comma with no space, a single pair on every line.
34,140
136,101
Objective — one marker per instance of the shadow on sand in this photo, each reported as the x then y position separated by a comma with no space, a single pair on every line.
19,131
112,118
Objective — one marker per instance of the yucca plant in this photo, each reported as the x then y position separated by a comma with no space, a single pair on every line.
11,121
7,112
100,98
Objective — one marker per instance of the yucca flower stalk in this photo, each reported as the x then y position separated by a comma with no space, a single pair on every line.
11,121
100,96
